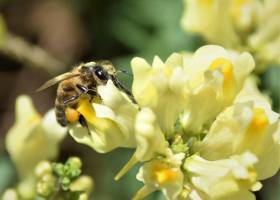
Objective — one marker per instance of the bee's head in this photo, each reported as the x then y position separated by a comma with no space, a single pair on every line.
102,71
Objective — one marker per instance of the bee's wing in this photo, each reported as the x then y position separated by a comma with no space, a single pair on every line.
56,80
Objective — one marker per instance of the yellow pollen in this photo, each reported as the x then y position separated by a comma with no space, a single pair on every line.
164,173
225,66
71,115
259,120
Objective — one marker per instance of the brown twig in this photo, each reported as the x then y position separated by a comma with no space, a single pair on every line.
31,55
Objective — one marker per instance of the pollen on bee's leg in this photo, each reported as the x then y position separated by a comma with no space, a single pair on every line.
72,115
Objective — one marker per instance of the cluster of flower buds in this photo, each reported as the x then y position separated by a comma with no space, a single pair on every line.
54,181
62,181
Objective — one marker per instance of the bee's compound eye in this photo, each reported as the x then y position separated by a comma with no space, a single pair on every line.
72,115
101,73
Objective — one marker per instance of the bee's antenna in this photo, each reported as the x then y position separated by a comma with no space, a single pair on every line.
125,72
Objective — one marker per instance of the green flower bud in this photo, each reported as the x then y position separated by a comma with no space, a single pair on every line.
65,182
74,162
72,167
58,169
73,173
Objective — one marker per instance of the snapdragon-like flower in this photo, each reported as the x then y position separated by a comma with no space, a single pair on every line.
111,123
249,24
162,174
162,87
215,77
32,139
265,41
212,19
215,84
231,178
249,124
200,125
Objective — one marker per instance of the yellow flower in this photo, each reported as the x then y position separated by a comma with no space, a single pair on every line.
32,139
150,140
111,123
211,19
161,87
215,77
249,124
244,14
238,24
231,178
265,41
198,109
83,183
162,174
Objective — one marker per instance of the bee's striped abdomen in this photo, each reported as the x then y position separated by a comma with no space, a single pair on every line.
60,112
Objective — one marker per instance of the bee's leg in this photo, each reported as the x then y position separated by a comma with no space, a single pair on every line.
71,99
86,90
92,92
84,123
82,88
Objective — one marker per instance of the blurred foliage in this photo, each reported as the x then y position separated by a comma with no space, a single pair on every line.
7,173
131,27
127,28
271,85
108,189
271,191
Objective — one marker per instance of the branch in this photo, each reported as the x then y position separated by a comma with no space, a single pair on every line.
31,55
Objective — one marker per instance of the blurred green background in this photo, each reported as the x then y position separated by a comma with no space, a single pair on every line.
69,32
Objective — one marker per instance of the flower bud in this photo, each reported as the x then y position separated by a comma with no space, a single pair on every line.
83,196
44,167
74,162
10,194
83,183
46,186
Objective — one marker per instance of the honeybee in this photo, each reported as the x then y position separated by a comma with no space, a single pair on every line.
81,83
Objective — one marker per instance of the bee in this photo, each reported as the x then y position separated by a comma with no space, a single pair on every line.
81,83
